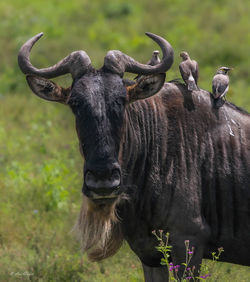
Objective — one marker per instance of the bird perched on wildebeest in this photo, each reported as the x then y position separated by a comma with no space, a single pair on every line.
220,85
155,60
189,71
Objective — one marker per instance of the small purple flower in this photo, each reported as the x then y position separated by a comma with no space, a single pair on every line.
189,277
171,268
171,264
190,252
205,276
188,268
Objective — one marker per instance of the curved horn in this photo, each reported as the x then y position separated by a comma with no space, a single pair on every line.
119,63
76,63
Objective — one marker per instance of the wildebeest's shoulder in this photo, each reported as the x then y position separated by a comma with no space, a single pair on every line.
176,97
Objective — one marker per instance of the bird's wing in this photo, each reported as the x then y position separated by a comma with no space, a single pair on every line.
184,70
214,87
220,85
225,92
196,71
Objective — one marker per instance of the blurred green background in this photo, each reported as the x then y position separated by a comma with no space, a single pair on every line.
40,166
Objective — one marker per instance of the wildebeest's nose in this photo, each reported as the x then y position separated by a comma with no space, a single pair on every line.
103,185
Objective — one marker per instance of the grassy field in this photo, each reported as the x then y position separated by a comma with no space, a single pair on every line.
40,164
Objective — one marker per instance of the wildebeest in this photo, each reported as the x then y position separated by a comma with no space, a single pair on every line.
166,162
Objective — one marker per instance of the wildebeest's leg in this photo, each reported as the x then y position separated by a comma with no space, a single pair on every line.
155,274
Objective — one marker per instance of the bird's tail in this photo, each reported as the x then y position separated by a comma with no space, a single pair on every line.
191,83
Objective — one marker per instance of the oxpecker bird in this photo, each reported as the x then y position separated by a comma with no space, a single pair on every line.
155,60
189,71
220,85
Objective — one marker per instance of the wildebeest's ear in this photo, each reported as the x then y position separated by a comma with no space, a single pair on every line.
145,87
48,90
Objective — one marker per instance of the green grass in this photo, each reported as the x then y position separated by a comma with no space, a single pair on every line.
40,164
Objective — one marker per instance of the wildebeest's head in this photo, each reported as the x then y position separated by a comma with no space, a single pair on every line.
98,99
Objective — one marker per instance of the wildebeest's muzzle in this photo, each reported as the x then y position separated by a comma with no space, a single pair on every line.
102,184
